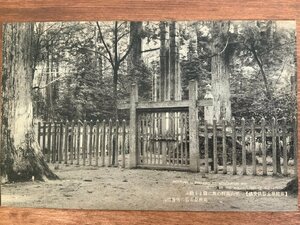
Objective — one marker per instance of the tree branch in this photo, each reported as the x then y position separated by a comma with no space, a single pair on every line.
105,46
259,63
150,50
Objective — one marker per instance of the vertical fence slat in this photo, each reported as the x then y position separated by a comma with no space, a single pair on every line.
103,143
116,150
152,146
144,135
285,168
181,138
215,153
84,142
244,159
123,142
60,147
109,142
177,137
264,150
150,142
39,133
206,170
274,147
253,146
164,146
233,147
295,146
78,142
97,142
186,131
72,143
224,152
54,144
44,138
91,143
49,142
66,141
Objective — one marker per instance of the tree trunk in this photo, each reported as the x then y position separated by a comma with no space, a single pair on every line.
175,78
220,74
135,55
23,158
164,60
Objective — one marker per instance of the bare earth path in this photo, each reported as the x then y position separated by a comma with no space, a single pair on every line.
124,189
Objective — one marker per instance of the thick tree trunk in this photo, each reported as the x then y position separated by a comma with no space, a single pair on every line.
164,61
23,158
220,74
135,55
175,78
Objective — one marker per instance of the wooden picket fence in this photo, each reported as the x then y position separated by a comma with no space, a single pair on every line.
262,148
230,147
84,143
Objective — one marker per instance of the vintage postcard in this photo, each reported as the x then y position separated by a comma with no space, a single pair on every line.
152,115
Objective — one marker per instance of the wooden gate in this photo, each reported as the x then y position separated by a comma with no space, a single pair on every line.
164,135
163,139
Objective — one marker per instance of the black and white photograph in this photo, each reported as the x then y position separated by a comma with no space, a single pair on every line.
150,115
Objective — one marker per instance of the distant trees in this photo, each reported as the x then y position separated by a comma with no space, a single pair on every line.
254,60
246,63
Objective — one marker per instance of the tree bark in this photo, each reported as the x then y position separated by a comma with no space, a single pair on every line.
135,55
220,74
21,155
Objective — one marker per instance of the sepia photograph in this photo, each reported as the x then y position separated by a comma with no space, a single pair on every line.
150,115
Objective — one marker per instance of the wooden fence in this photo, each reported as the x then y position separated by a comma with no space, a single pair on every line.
257,148
84,143
233,147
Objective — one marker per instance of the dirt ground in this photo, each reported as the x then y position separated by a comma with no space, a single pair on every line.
136,189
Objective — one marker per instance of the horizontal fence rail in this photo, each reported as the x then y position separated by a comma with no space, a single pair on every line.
84,143
249,147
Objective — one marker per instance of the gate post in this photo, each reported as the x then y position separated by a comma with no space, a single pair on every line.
132,126
193,126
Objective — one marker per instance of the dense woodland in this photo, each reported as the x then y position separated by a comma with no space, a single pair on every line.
80,70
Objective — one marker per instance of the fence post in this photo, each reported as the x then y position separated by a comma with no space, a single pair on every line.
103,143
285,168
78,141
90,152
49,142
54,144
97,141
84,142
116,146
109,140
295,146
244,159
39,133
123,142
66,141
72,143
193,126
233,146
60,146
44,137
253,146
264,150
274,147
206,170
133,126
224,153
215,150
